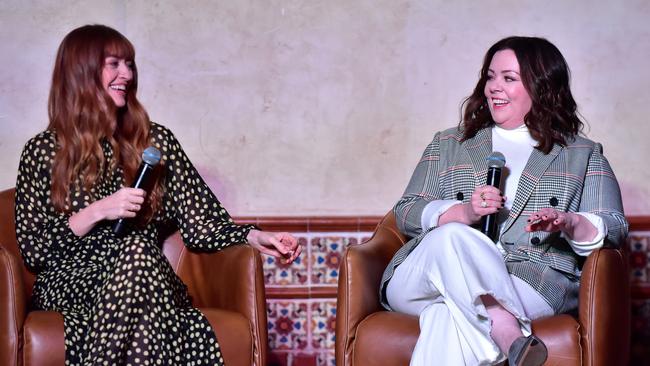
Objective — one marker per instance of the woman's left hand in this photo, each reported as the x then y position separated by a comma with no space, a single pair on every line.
575,226
281,245
551,220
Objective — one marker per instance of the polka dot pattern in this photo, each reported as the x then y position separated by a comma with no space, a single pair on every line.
121,301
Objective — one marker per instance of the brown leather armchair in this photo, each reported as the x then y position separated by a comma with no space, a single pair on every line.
228,287
367,335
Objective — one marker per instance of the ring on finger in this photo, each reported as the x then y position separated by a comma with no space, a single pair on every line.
484,204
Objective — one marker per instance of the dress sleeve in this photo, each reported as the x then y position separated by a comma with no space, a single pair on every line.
40,230
204,223
424,187
601,196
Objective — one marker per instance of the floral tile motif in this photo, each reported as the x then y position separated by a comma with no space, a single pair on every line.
277,273
639,259
287,324
323,324
305,341
326,254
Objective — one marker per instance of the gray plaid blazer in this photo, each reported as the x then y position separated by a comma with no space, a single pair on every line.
573,178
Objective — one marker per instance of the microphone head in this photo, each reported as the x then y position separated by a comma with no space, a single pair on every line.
496,160
151,156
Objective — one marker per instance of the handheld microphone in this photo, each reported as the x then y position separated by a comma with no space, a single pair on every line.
150,158
496,161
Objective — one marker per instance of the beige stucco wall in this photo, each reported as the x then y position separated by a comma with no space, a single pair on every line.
323,107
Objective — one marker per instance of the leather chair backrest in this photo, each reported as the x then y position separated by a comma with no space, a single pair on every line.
172,246
8,234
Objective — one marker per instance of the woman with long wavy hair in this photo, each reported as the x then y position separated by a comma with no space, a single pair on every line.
120,299
476,294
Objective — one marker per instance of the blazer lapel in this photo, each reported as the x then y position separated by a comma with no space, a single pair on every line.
537,164
478,148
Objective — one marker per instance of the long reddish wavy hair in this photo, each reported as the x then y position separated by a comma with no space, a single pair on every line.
83,115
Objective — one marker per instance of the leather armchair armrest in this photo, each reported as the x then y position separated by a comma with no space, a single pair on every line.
604,310
12,307
230,279
358,289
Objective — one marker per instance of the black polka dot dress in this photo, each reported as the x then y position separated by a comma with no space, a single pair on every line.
121,301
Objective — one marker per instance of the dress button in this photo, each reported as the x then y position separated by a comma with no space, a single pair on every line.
534,241
553,201
460,196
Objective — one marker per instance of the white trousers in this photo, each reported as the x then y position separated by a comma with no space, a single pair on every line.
442,281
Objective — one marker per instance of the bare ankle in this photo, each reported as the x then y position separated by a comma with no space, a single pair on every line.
504,326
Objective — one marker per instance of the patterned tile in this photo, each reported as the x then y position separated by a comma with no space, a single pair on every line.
301,330
287,324
277,273
326,253
323,323
639,259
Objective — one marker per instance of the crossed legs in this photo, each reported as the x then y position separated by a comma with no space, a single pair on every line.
468,305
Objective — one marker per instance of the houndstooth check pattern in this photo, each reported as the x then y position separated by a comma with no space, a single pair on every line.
576,178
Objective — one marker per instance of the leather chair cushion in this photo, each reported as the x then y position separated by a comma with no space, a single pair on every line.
561,333
44,342
385,338
237,335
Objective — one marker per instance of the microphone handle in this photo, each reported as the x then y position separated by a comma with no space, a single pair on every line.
141,181
489,222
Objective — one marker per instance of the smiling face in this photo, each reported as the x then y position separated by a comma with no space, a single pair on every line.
117,74
506,95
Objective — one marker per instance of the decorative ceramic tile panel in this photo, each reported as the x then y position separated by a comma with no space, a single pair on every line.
325,259
308,339
639,255
639,246
287,324
318,265
280,274
323,324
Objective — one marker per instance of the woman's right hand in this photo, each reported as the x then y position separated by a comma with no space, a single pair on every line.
125,203
485,200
